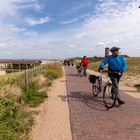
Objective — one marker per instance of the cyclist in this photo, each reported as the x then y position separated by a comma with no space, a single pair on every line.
116,67
84,63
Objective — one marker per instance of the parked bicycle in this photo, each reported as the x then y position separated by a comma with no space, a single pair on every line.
109,91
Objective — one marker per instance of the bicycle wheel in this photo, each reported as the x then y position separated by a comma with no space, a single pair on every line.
95,88
78,72
82,72
109,95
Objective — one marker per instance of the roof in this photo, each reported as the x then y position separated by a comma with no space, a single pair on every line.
20,61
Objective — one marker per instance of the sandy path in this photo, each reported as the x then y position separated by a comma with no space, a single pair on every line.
132,91
52,123
2,72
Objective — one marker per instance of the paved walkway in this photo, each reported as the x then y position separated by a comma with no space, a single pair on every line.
89,118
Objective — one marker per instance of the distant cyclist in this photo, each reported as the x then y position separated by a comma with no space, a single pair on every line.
84,63
116,65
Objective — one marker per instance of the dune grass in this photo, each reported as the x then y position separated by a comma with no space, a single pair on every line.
15,97
15,123
32,96
133,66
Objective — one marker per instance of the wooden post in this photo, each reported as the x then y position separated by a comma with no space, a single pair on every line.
12,68
5,67
26,78
19,67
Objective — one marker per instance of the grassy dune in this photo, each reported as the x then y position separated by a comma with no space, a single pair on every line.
133,66
16,97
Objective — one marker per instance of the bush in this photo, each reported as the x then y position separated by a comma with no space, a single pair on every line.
32,96
14,122
51,74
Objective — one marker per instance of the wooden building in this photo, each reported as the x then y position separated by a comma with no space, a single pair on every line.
11,65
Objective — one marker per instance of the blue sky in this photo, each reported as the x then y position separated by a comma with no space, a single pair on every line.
68,28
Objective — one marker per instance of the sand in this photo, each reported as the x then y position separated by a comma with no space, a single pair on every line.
52,123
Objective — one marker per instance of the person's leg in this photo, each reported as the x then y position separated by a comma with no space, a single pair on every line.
115,82
85,70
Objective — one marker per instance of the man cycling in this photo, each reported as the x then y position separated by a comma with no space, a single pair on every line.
116,67
84,63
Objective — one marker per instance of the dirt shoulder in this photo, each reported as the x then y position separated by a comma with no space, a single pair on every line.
52,123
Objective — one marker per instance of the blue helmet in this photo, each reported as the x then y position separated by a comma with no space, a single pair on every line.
114,49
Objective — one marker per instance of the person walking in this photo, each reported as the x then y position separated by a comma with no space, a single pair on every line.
116,68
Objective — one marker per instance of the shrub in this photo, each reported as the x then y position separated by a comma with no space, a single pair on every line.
32,96
51,74
14,121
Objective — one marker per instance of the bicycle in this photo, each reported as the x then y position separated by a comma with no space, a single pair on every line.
109,91
79,70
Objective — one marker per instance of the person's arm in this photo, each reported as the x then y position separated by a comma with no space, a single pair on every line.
123,65
103,63
81,62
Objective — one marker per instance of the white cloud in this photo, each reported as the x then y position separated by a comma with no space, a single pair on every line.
116,40
69,21
30,34
72,46
82,17
110,26
32,21
2,45
11,8
100,44
54,42
10,28
80,48
79,6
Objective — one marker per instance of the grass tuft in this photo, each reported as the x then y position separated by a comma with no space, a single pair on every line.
32,96
14,121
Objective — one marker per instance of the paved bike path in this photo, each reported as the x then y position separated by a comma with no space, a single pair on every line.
89,118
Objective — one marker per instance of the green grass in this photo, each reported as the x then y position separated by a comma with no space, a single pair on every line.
51,74
94,66
55,68
32,96
14,121
133,66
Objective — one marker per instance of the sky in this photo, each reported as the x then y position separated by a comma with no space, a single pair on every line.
57,29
